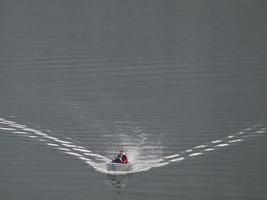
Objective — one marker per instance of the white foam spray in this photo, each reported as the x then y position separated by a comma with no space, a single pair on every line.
142,151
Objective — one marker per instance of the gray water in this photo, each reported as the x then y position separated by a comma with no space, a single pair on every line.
180,85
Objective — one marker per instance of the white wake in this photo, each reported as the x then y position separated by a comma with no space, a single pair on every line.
142,150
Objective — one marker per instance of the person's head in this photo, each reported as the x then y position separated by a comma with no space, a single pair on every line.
121,152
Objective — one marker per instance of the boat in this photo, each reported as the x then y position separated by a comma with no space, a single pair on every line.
119,167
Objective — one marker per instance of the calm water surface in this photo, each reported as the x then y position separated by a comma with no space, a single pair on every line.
81,79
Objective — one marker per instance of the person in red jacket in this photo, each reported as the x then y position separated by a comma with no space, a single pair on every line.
121,158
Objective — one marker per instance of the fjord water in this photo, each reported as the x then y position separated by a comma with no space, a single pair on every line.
81,79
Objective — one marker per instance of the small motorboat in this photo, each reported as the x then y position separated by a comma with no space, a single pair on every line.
119,167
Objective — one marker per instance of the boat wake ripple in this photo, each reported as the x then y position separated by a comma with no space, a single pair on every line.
133,139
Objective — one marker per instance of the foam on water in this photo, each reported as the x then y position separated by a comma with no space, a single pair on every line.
20,132
195,154
200,146
177,159
74,154
210,149
7,129
222,145
63,149
216,141
69,145
52,144
172,156
187,151
142,152
81,150
237,140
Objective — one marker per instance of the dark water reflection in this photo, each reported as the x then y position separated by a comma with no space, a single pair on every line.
117,182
